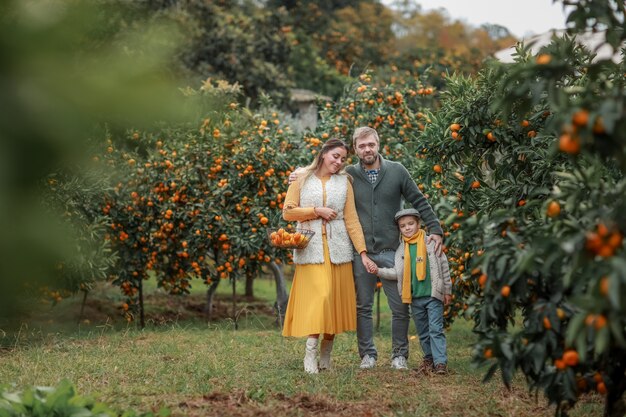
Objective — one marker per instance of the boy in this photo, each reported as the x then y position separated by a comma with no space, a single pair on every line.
424,283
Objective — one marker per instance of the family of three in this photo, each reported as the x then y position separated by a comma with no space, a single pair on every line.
362,233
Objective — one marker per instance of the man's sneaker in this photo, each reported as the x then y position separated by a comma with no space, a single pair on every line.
441,369
426,368
399,362
368,362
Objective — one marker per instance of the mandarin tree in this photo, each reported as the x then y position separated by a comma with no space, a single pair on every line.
392,109
71,191
196,200
82,70
532,190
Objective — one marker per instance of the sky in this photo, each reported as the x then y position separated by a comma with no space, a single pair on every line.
521,17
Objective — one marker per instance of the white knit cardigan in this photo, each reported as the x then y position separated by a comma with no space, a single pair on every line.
339,244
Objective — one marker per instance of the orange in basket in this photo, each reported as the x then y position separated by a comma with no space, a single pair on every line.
294,239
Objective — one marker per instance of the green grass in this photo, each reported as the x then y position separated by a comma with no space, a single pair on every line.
198,368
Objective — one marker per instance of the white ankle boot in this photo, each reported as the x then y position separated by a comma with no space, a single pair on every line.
310,356
325,349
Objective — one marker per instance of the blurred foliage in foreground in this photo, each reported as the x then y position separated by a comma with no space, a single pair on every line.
68,66
60,401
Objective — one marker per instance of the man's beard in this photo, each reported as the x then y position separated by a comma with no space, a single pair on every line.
369,159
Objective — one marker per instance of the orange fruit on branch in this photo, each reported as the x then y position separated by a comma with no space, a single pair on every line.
569,144
570,357
599,322
505,291
580,118
604,286
482,280
554,209
543,59
546,323
560,364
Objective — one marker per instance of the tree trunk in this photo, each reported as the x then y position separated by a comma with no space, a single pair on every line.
210,293
235,315
249,284
82,305
280,306
142,316
615,405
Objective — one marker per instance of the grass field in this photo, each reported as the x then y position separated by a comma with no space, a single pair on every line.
196,368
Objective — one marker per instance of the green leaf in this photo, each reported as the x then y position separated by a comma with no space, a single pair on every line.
507,373
81,412
102,409
602,340
505,348
538,354
581,345
619,270
32,397
569,384
525,262
573,328
492,370
617,330
12,397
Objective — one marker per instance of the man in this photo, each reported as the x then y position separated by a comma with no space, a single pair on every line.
380,189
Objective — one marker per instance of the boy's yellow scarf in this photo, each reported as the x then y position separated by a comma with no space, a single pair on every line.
420,263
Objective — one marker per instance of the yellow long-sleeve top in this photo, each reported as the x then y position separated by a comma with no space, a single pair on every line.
293,212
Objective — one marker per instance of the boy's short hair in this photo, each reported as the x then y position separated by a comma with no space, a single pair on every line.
407,212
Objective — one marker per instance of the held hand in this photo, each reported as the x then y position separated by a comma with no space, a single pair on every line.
294,175
438,243
447,299
370,266
326,213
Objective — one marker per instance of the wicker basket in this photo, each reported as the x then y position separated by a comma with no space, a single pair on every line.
289,238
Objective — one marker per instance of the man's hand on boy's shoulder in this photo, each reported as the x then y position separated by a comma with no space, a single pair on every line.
438,243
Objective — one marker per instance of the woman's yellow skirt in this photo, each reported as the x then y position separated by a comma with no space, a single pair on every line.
322,299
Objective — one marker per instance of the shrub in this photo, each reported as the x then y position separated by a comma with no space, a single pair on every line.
530,181
59,401
197,199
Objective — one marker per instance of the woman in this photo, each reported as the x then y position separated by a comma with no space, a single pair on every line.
322,299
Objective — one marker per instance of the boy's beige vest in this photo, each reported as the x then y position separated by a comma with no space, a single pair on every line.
339,244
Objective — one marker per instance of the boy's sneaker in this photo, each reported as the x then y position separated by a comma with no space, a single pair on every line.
441,369
426,368
399,362
368,362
